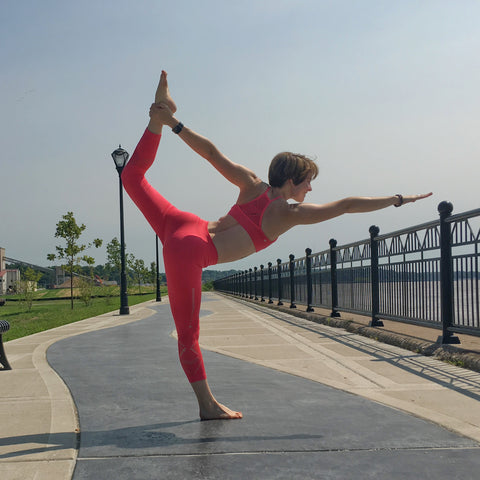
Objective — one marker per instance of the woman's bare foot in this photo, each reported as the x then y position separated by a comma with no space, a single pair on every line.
219,412
162,95
210,409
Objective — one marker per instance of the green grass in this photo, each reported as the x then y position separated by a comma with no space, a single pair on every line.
45,315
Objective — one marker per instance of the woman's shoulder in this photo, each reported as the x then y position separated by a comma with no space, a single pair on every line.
250,192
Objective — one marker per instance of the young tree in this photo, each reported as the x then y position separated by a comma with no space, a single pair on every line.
114,259
86,283
152,274
85,288
140,271
27,285
70,231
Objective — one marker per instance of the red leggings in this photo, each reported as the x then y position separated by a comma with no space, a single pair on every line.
187,249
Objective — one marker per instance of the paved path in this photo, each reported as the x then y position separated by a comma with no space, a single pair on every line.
318,403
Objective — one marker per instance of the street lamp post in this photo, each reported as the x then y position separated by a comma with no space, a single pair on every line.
120,157
159,297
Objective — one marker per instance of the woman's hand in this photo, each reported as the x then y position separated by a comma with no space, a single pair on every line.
411,198
161,114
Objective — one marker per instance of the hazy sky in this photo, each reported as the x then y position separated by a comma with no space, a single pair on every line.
385,95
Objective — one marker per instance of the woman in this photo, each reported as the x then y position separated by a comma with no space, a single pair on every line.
190,244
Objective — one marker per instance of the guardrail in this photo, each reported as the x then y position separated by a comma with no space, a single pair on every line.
425,275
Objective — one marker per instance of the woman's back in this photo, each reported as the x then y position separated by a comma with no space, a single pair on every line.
251,225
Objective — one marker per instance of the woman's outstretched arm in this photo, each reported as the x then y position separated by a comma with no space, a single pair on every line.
241,176
307,213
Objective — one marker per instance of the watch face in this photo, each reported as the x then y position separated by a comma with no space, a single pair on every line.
177,128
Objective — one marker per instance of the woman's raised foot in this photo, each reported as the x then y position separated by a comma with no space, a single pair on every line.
162,95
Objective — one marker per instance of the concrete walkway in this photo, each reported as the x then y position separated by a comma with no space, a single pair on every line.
390,414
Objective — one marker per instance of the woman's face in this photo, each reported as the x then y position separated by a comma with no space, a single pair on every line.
300,191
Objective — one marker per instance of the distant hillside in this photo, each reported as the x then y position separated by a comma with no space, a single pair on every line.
212,275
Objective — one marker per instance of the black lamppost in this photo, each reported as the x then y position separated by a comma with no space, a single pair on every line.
120,157
159,297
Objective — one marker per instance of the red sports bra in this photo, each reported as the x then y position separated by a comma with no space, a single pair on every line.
250,215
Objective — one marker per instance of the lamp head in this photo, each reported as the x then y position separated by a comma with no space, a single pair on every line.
120,157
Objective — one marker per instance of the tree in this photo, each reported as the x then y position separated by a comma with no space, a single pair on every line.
27,285
138,268
70,231
114,258
85,288
152,274
86,283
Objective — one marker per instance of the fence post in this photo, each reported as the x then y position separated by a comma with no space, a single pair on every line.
270,282
245,283
308,260
446,275
255,283
375,322
262,287
250,289
333,276
291,266
279,281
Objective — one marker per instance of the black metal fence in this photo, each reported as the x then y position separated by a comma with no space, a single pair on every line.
425,275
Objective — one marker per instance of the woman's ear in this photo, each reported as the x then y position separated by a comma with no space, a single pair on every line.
290,187
290,183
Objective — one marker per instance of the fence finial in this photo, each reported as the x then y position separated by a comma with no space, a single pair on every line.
445,208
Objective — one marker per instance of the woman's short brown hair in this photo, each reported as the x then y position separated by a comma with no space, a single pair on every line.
288,165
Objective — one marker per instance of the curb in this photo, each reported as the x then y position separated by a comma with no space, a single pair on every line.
447,353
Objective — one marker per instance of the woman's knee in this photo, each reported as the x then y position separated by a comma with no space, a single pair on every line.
188,335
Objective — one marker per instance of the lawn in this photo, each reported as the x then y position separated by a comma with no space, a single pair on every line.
46,314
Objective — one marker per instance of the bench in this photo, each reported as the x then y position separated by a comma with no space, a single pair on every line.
4,327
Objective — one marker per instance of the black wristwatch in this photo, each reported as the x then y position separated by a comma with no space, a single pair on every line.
177,128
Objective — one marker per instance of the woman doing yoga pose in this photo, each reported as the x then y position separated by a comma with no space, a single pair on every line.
260,215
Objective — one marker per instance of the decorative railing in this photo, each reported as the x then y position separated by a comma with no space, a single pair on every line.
426,275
